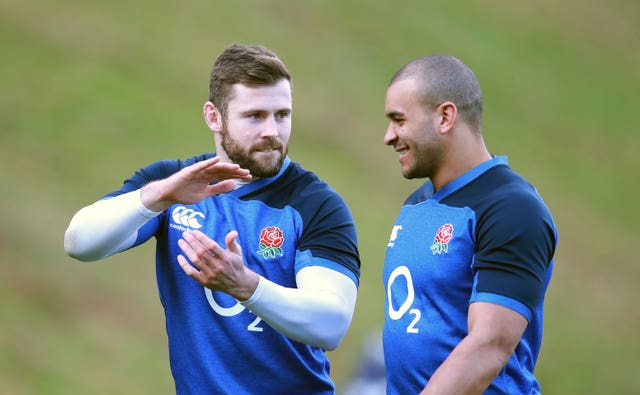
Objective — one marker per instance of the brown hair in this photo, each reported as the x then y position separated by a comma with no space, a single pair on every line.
244,64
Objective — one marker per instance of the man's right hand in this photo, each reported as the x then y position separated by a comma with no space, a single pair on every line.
193,184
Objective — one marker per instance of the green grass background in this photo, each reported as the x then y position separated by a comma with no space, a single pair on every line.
91,91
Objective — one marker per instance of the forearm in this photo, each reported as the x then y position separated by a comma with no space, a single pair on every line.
469,369
319,317
106,227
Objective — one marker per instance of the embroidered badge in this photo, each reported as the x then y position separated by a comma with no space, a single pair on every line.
271,240
441,241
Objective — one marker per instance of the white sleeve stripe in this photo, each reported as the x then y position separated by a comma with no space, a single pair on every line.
106,227
318,312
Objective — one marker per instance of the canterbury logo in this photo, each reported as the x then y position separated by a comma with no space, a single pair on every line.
187,217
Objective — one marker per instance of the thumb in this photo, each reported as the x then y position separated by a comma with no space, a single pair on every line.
231,240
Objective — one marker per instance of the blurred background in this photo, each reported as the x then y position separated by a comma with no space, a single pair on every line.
92,91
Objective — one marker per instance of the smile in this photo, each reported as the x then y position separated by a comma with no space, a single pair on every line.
403,151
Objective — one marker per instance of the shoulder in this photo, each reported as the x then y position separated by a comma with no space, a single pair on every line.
500,192
510,210
510,197
329,230
300,189
310,191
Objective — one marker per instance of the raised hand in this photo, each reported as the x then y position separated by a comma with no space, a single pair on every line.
193,184
216,268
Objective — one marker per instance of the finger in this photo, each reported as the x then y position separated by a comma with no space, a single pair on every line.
219,174
191,252
204,244
187,268
222,187
226,171
208,162
231,240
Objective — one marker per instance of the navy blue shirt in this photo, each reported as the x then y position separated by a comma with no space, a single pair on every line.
486,236
285,222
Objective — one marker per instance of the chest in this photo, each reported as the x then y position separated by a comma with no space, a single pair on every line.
268,236
434,244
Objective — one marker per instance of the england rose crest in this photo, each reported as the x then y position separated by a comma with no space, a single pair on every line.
271,239
441,240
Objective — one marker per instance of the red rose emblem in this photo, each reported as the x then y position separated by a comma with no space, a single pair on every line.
445,233
441,240
271,236
271,240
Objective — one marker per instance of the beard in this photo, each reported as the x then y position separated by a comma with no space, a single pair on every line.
260,165
427,154
427,162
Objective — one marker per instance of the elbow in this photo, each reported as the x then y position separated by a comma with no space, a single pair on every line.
329,343
501,357
498,354
334,332
72,247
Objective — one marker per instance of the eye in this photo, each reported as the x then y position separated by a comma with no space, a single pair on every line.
255,115
398,121
282,114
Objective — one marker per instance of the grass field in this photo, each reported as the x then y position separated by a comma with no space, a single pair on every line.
92,91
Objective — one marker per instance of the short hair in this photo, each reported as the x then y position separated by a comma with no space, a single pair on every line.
444,78
244,64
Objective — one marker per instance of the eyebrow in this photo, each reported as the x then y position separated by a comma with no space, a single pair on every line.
394,114
265,111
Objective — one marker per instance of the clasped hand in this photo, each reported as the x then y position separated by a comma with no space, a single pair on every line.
211,265
216,268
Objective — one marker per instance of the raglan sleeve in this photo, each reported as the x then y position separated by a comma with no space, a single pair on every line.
516,240
329,236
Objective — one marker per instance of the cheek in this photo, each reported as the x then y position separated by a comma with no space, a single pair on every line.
406,133
284,130
242,129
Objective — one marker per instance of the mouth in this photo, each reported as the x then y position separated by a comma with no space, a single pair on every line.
267,147
265,150
403,151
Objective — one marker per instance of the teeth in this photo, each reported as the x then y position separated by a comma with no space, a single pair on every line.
402,153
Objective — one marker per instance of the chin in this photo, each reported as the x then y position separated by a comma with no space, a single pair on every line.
267,168
410,174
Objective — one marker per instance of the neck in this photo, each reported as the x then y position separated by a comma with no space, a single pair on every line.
463,156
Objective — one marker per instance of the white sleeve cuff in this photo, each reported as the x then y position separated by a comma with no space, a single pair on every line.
106,227
318,313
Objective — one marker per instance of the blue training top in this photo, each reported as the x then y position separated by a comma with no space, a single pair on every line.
486,236
285,222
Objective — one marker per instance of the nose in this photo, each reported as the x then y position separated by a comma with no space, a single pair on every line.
270,127
390,136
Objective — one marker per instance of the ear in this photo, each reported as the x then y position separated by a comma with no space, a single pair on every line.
448,116
212,116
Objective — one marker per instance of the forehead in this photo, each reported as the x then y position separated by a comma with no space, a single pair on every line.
402,96
262,97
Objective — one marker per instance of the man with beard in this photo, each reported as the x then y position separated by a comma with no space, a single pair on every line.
256,259
471,252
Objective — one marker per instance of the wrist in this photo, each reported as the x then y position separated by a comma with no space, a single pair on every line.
248,294
154,198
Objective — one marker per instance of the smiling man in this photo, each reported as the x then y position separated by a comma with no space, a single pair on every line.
471,252
256,258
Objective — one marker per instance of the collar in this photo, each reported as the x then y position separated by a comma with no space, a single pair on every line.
252,186
469,176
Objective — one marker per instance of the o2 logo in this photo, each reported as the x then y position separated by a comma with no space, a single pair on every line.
405,307
236,309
